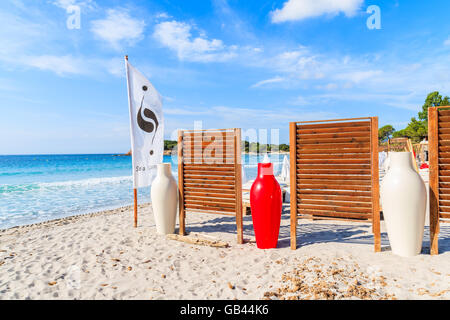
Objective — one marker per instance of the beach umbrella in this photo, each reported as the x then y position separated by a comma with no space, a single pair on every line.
243,176
285,170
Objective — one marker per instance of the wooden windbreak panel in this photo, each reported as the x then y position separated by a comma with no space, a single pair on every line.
334,172
209,171
439,151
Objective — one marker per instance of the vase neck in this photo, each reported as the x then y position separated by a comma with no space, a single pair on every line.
265,169
400,160
164,169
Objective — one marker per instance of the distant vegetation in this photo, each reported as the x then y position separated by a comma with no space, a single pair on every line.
256,147
169,144
248,147
417,129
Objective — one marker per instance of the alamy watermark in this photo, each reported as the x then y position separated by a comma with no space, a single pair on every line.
374,21
74,19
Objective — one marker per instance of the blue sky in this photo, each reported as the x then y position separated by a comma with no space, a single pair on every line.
247,64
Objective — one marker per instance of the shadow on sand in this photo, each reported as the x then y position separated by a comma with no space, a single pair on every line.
313,233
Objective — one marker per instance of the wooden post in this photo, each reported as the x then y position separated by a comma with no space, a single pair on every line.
375,185
434,178
238,184
293,181
135,207
182,213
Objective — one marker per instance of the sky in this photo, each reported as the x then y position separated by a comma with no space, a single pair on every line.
255,65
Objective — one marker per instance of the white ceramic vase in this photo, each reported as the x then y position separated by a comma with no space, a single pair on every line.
403,199
164,196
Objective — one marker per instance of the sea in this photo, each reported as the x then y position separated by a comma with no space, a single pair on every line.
37,188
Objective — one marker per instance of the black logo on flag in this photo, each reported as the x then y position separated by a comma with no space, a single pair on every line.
143,123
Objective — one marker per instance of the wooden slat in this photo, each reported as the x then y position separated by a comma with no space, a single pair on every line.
332,130
443,209
443,118
444,190
217,167
210,173
444,215
190,199
208,208
302,193
444,131
444,155
331,146
348,125
444,178
443,125
208,185
443,149
205,177
210,203
332,187
332,177
333,197
364,219
354,215
334,151
444,196
336,135
337,167
316,141
334,208
333,171
321,182
208,190
333,203
444,113
334,156
335,161
200,194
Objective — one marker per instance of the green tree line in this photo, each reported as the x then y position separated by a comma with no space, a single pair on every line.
417,128
248,147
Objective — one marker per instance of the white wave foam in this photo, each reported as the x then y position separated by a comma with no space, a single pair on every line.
86,182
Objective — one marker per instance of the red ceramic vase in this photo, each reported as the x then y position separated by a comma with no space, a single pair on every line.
266,205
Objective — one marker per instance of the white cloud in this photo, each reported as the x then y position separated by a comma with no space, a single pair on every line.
57,64
65,4
447,42
302,9
118,27
268,81
359,75
177,36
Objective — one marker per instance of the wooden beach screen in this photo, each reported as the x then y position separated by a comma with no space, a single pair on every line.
209,174
439,155
334,172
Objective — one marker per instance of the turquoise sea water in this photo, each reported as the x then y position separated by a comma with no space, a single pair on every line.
36,188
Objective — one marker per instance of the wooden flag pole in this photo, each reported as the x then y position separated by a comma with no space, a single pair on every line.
135,208
134,190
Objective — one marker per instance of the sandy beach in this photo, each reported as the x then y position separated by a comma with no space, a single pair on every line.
101,256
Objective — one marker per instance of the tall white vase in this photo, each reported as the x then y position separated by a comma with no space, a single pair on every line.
403,199
164,196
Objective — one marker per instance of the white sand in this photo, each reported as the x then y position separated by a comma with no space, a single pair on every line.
101,256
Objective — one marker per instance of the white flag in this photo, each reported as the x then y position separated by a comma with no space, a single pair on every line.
146,125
